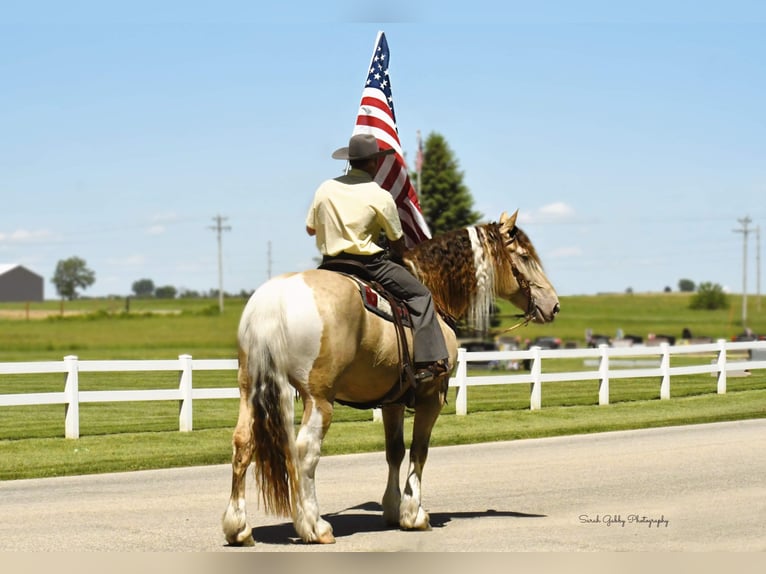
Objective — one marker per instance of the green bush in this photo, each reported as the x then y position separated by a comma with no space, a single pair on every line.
709,296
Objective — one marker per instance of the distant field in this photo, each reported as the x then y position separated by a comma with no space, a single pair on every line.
102,329
125,436
641,314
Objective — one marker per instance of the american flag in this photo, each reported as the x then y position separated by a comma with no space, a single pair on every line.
376,116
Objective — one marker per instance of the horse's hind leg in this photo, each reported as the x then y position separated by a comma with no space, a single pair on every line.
393,422
235,525
317,415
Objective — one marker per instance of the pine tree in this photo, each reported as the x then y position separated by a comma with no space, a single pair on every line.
446,202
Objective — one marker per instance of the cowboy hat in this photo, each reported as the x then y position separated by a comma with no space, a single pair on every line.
361,146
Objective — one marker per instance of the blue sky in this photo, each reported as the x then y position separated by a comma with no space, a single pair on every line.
631,139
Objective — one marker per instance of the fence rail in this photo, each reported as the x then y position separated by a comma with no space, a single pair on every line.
606,361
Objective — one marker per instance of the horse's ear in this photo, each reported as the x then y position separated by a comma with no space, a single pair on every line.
508,223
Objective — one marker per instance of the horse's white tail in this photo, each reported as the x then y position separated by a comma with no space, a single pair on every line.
263,340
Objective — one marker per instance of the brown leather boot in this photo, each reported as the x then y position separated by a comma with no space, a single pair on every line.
427,372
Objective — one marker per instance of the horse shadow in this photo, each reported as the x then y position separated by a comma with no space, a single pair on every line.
367,517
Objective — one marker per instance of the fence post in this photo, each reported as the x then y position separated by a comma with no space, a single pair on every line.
536,391
603,369
721,363
665,370
72,395
461,376
185,420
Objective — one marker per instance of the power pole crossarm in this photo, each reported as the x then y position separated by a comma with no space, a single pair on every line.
219,227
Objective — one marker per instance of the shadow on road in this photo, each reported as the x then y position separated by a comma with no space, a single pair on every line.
367,517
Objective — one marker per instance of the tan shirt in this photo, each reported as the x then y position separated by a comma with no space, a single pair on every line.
349,212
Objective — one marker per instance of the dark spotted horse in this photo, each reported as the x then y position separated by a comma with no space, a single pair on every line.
310,333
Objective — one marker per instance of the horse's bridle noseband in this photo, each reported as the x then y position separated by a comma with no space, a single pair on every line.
525,287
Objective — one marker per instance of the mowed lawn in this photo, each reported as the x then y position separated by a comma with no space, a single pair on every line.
125,436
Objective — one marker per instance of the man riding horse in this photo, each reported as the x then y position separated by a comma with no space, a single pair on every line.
347,216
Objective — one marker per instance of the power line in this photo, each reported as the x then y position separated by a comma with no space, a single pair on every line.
744,231
218,228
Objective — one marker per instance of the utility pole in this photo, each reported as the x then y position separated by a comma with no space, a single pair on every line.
744,231
218,228
758,265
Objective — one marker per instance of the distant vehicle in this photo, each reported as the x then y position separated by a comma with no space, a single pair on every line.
597,340
747,336
545,343
479,345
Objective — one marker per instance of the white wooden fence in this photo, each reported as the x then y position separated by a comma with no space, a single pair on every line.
607,362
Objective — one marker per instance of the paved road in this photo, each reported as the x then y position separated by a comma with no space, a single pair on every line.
684,488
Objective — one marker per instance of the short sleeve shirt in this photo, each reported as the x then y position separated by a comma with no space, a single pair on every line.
348,214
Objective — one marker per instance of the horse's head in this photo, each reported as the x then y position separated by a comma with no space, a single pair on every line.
466,269
526,286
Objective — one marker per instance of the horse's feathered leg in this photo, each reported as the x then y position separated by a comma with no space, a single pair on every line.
235,525
393,423
317,415
412,515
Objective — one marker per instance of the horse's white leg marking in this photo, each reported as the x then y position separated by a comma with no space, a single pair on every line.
412,516
393,421
304,325
308,523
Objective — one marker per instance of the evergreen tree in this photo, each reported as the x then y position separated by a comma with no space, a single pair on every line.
446,202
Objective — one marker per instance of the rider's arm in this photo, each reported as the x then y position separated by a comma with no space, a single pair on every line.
398,248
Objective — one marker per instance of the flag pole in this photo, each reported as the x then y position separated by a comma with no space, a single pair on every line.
419,164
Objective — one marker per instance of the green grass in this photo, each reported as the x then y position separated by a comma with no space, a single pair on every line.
127,436
351,432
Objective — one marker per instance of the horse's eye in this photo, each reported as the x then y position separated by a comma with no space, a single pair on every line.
512,233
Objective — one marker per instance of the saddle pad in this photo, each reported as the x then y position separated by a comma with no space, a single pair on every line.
377,303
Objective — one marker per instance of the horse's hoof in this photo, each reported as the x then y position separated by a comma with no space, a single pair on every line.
241,540
326,538
421,521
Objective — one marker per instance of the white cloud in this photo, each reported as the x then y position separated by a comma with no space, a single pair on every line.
164,217
565,252
129,261
551,213
155,230
26,236
558,209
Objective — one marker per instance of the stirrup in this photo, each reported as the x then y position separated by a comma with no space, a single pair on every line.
426,374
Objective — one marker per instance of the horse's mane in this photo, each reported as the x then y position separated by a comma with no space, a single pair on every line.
461,268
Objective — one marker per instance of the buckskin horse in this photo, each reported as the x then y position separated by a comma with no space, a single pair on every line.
310,332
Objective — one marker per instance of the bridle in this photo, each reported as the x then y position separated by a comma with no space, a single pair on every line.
525,287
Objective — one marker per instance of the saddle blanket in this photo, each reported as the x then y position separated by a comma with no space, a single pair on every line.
375,302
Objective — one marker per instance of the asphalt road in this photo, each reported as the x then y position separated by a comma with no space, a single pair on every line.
694,488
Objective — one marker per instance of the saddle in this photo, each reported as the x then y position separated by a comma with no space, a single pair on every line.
378,300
